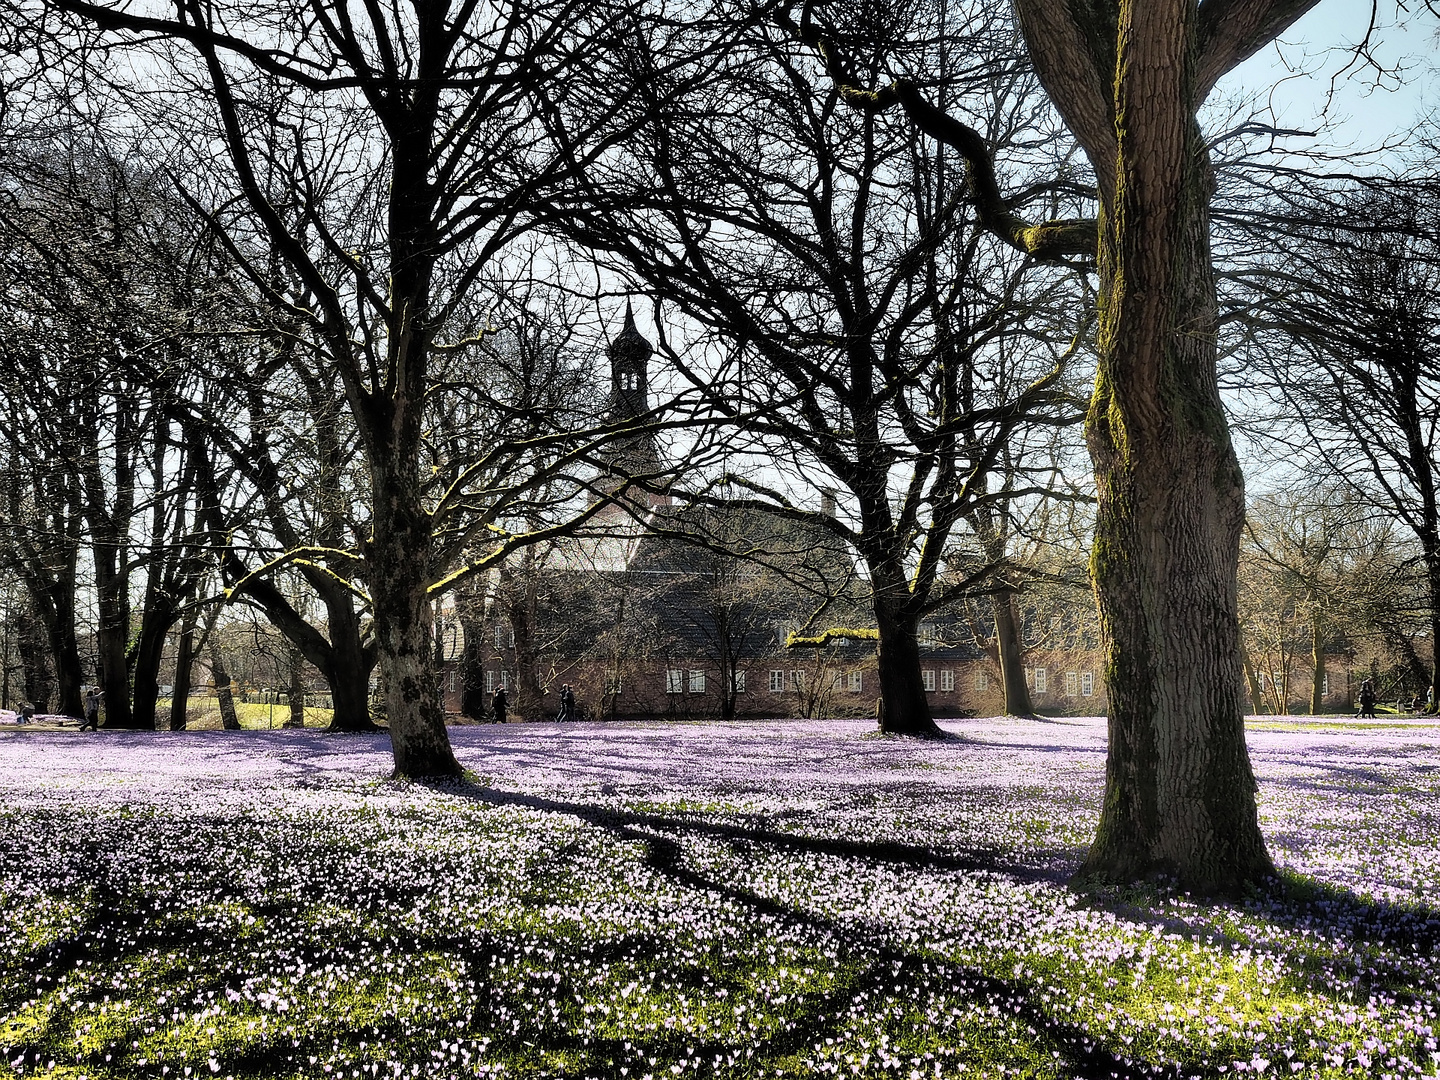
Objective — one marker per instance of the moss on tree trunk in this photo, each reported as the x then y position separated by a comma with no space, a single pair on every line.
1179,792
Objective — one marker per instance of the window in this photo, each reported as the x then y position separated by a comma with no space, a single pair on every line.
496,680
697,681
928,677
926,635
1040,681
982,681
947,680
855,682
629,380
1087,683
797,681
452,680
1072,683
613,684
777,682
674,681
737,681
1325,685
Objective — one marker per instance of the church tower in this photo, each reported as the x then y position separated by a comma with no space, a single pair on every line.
629,371
632,455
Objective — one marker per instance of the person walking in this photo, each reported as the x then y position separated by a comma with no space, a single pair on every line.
499,705
567,704
92,709
1367,699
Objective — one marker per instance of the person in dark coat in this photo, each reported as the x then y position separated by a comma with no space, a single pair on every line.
500,704
1367,699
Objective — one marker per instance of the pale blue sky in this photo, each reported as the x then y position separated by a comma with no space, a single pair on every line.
1317,52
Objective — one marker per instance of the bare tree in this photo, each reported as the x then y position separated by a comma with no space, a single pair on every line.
383,158
862,327
1344,339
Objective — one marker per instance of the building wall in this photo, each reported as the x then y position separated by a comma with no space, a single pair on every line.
792,685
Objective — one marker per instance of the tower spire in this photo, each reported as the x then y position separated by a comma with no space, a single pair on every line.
629,374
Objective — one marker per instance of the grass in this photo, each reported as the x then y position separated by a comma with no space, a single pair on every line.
741,901
204,715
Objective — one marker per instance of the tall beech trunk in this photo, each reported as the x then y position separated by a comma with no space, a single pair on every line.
184,668
34,660
472,668
529,699
1317,660
1432,574
65,649
903,707
296,696
223,696
347,673
155,622
1252,682
1011,656
1179,791
110,639
398,558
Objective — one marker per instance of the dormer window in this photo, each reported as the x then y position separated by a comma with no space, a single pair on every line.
629,381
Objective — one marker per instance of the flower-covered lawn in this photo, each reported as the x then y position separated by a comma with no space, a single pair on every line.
798,899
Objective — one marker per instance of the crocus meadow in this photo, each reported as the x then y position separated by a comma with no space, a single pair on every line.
649,902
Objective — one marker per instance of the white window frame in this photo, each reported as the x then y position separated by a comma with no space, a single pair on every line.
674,681
797,680
697,681
1072,683
927,677
947,680
737,681
1087,684
1042,681
777,681
982,681
857,680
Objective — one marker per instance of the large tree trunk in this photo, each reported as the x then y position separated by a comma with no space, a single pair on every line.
1011,656
472,669
399,564
184,669
347,672
1317,659
155,624
112,636
223,695
58,613
522,609
903,707
1252,681
34,660
1432,571
296,696
1179,792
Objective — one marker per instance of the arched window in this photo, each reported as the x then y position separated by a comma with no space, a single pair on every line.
629,380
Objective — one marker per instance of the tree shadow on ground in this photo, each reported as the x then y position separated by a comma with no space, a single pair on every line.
1080,1053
